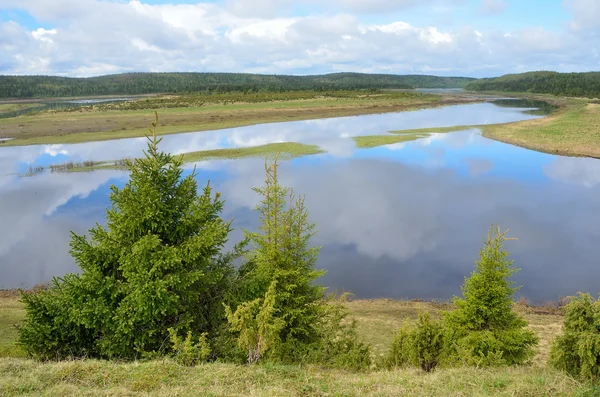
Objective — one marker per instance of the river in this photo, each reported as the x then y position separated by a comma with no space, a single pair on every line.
398,221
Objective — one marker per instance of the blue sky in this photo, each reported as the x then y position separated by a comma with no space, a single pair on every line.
477,38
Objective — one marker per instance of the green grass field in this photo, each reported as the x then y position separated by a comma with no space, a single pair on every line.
377,321
573,130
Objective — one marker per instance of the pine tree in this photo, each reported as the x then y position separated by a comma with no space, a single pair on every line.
484,327
281,254
157,265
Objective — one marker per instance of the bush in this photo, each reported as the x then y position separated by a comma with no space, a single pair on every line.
339,344
421,346
188,353
401,350
577,350
484,330
428,343
158,265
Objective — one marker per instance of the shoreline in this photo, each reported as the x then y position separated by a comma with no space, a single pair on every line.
128,124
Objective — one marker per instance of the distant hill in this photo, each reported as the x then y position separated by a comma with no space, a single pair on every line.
566,84
152,83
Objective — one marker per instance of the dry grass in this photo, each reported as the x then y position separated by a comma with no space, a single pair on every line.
378,320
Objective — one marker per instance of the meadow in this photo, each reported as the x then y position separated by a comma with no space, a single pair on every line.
377,321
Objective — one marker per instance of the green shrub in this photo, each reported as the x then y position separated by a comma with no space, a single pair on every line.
188,353
339,345
577,350
401,350
157,265
428,342
257,324
484,330
421,346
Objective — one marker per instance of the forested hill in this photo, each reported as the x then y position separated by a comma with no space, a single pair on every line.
567,84
151,83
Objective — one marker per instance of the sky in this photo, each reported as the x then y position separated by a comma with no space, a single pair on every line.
476,38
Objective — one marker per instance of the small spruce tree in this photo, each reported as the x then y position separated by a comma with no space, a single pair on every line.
158,265
484,329
281,255
281,313
577,349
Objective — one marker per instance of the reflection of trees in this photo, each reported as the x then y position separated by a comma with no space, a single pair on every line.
542,108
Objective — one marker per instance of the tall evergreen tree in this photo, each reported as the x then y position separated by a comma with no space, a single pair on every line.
157,265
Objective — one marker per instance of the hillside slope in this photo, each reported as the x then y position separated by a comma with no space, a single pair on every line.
151,83
563,84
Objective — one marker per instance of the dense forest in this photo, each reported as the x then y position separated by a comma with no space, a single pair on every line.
152,83
566,84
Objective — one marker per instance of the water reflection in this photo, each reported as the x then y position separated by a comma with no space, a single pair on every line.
53,105
332,135
399,221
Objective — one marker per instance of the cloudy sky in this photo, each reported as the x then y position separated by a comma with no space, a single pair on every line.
476,38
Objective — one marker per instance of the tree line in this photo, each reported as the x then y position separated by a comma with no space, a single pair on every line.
560,84
157,281
178,83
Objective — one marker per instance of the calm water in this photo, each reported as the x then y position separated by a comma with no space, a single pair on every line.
50,105
401,221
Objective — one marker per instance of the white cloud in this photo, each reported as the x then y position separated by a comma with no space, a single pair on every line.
491,7
78,39
43,34
586,13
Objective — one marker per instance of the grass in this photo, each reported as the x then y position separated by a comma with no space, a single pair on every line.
377,321
11,314
573,130
15,107
165,378
286,149
98,125
370,141
435,130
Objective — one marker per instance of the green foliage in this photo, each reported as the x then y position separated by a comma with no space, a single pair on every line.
149,83
401,349
428,342
564,84
484,329
281,254
257,324
158,265
577,350
421,346
281,314
188,353
339,345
